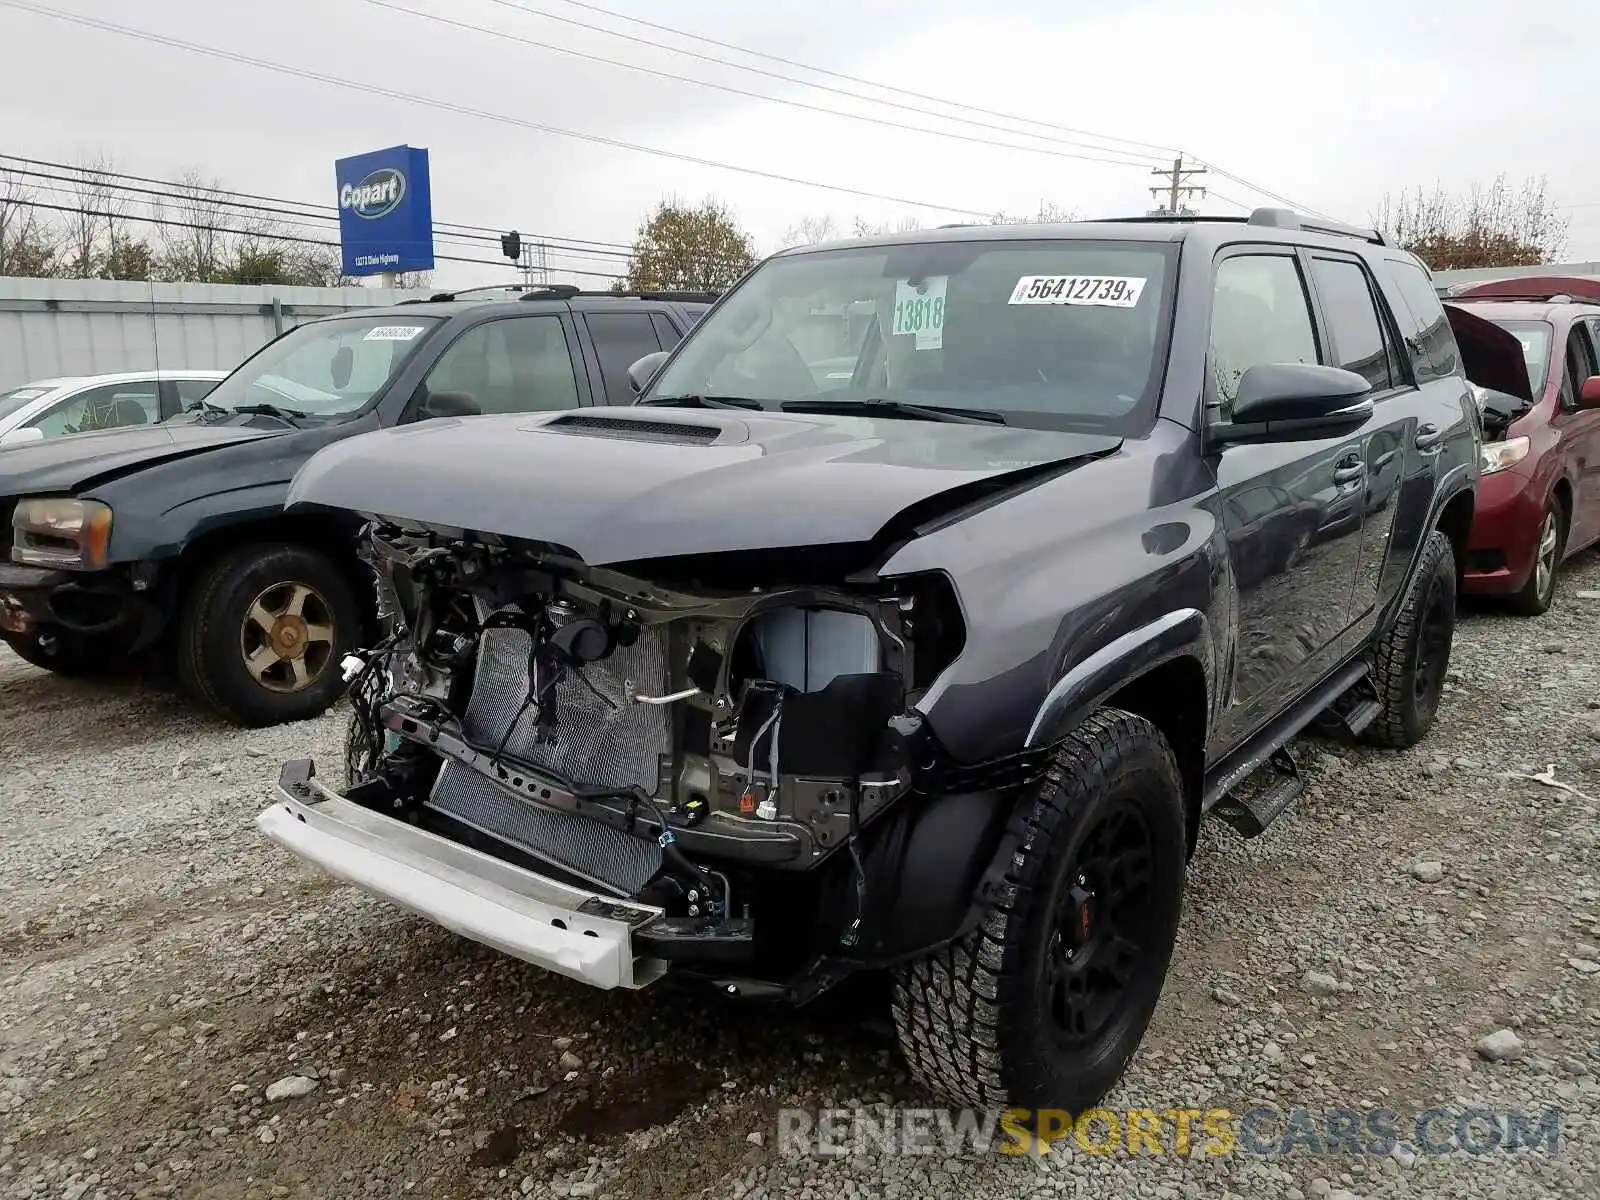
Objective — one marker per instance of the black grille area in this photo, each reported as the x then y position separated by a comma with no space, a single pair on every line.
7,534
636,429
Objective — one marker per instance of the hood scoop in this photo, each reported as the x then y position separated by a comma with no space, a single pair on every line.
637,429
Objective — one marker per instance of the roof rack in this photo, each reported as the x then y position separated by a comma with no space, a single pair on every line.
565,291
1287,218
1272,218
557,291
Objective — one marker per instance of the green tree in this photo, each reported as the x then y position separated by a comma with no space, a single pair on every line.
1493,226
679,248
129,260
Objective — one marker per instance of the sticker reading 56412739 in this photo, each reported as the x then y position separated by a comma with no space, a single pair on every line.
1109,291
393,333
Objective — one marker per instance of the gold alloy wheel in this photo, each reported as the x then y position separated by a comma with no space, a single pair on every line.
287,637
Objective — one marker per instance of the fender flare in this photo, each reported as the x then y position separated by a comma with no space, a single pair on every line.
1182,633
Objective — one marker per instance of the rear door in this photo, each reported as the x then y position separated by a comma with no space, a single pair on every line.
620,340
1361,337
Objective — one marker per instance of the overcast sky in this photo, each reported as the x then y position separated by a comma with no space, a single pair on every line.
1330,105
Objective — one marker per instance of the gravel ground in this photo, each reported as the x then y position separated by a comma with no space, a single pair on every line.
185,1011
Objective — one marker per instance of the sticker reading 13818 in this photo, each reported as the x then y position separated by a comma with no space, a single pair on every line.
1111,291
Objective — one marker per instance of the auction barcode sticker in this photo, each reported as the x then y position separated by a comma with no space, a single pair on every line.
393,333
1109,291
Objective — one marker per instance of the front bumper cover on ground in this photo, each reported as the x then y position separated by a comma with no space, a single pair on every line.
528,916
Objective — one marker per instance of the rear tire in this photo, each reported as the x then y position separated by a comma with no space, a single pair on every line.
262,632
1539,592
1410,660
1046,1001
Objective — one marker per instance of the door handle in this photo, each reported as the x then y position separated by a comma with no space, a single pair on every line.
1349,474
1429,437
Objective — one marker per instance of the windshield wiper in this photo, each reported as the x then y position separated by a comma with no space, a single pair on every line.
897,408
693,401
289,416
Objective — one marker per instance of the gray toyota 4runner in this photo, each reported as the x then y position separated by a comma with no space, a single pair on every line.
933,590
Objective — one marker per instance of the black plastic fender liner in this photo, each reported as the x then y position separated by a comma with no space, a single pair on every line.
926,867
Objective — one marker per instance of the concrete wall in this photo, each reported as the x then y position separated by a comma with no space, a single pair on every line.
52,327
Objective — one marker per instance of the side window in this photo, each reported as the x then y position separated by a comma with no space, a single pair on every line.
1580,363
114,406
1431,344
666,334
1354,326
190,390
621,339
517,364
1259,314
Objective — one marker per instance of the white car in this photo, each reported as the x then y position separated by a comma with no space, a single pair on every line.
51,408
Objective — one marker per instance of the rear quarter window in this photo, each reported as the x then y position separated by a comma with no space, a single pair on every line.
1429,342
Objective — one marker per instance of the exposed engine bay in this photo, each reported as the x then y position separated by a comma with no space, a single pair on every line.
721,753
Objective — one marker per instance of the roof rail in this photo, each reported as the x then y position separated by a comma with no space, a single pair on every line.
1287,218
564,291
445,297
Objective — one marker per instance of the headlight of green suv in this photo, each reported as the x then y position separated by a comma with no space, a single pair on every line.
58,531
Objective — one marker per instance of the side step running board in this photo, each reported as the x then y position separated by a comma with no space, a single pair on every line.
1252,808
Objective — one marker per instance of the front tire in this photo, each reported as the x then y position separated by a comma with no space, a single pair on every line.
1046,1001
1539,592
262,632
1410,660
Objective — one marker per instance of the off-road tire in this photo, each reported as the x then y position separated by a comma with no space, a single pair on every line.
1534,600
80,658
1408,686
970,1017
213,611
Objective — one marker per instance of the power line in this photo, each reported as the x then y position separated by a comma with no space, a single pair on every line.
272,237
348,85
187,191
789,62
923,96
1178,188
722,87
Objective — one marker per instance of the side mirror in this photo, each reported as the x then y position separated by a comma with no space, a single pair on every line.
1589,393
19,436
643,371
1291,401
451,404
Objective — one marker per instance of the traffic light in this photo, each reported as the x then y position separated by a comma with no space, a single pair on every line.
511,245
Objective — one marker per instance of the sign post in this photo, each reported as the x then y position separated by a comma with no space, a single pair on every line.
385,212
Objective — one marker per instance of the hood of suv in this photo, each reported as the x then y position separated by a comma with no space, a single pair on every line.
65,464
620,485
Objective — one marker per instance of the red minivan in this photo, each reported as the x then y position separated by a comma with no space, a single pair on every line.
1539,492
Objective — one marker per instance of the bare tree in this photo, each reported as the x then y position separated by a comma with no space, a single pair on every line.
1049,213
810,231
863,228
195,242
1493,226
28,244
98,223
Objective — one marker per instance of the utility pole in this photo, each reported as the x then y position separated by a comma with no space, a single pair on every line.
1178,188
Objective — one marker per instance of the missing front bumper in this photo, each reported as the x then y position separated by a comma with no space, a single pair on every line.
528,916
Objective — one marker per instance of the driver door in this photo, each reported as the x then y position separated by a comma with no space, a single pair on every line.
1292,546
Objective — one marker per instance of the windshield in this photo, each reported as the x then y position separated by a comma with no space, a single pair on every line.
15,400
327,369
1051,333
1535,339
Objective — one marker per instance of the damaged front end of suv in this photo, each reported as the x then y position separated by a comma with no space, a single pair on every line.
689,763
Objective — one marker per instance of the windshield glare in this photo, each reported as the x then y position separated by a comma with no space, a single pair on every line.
326,369
1535,338
1052,333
